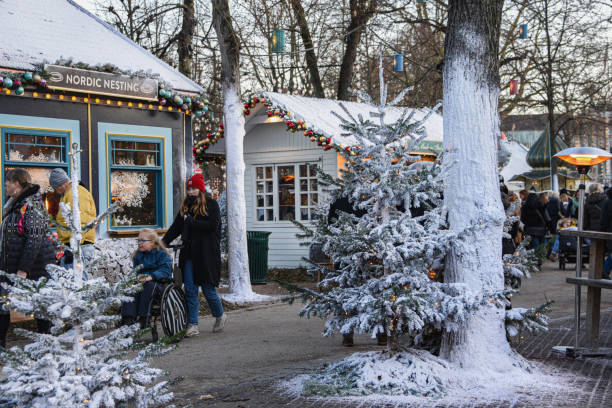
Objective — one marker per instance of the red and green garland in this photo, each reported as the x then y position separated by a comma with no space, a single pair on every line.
293,126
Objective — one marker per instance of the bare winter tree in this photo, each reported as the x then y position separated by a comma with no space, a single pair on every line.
471,188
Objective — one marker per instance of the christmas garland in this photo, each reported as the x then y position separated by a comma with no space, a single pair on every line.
16,81
293,125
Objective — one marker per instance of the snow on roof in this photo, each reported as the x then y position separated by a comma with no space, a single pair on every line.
518,161
35,31
317,114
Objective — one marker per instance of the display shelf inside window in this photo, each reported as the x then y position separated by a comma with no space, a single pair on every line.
136,173
38,152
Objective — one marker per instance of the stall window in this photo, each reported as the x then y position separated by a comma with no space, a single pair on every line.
285,192
136,181
38,152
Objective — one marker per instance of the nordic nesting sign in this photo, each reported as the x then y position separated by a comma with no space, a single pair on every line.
101,83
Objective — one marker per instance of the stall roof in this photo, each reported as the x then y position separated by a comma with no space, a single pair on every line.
35,31
317,113
518,160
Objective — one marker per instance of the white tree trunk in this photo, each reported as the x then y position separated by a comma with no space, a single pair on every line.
471,191
77,234
238,259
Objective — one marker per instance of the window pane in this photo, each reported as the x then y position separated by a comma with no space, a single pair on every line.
260,187
46,149
286,212
269,172
260,201
269,187
136,191
135,153
270,214
314,198
304,214
303,170
304,199
269,200
313,185
303,185
260,215
40,176
313,170
259,172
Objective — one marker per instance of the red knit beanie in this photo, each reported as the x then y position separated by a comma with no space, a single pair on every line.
197,181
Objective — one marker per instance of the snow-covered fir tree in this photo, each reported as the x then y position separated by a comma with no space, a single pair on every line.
388,259
70,366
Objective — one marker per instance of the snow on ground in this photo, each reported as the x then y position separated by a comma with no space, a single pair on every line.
243,299
417,378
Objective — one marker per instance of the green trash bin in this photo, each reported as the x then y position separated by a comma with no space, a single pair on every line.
257,244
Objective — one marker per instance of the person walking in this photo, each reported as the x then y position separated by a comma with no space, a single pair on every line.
605,225
25,248
59,181
156,266
198,223
554,212
592,208
532,216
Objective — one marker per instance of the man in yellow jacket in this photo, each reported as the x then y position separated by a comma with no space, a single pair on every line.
58,179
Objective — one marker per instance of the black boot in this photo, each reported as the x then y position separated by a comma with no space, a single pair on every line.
381,339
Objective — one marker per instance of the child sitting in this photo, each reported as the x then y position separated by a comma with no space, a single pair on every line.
564,223
156,266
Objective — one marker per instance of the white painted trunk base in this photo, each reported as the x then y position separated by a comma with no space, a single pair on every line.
238,259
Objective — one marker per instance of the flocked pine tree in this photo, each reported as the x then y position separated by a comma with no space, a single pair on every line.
73,368
386,260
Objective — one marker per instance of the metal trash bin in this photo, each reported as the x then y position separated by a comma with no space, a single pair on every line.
257,244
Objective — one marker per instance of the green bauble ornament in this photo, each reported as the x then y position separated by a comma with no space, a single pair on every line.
27,76
205,108
198,113
19,91
187,100
8,82
178,100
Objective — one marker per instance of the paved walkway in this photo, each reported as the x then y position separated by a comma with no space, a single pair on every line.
267,343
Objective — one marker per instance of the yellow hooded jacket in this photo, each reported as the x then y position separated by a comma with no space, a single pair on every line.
88,213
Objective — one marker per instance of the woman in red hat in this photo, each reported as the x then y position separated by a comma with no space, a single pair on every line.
198,223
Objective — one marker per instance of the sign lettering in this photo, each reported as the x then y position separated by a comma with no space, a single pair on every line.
102,83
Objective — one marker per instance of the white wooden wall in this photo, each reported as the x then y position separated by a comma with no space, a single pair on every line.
270,143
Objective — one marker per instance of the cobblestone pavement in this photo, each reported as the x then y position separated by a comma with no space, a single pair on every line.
267,344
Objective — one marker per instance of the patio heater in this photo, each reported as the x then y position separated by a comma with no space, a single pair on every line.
583,158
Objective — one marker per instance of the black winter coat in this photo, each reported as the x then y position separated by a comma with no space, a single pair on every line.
605,223
29,250
201,237
592,211
533,215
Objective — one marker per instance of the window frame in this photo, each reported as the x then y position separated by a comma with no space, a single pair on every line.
66,135
275,191
159,171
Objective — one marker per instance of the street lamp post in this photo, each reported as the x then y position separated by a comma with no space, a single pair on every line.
583,158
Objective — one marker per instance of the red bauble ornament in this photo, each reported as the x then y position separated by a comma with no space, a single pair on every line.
270,113
221,125
328,140
319,143
348,149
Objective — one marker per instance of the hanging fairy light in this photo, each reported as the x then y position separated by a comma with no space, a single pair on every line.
398,63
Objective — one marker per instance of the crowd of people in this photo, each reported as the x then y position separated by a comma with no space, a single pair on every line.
542,215
26,248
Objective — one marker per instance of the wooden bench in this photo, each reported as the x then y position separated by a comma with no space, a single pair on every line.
593,282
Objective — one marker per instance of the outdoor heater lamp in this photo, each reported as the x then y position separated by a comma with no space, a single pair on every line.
583,158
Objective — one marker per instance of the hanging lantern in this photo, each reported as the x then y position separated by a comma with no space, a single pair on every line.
398,63
523,31
278,41
514,87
